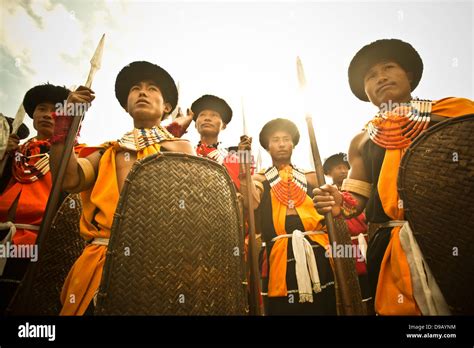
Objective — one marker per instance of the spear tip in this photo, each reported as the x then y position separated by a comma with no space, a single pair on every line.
301,75
97,57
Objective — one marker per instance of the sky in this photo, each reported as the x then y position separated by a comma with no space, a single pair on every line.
242,51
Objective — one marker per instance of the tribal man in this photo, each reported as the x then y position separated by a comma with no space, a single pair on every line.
28,184
148,93
300,279
385,73
212,115
337,167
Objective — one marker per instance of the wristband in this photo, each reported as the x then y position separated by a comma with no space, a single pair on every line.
175,129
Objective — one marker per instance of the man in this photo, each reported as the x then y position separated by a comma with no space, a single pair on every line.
300,279
148,93
28,184
211,115
337,167
385,73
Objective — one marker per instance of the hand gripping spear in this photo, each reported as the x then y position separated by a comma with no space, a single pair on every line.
345,271
23,299
255,308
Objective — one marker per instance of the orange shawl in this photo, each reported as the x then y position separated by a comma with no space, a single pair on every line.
99,204
32,200
394,294
311,220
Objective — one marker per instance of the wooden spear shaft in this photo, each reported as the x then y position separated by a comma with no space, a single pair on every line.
345,272
255,308
252,255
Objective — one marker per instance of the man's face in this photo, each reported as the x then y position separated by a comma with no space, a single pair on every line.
43,121
209,122
145,102
280,146
338,173
387,81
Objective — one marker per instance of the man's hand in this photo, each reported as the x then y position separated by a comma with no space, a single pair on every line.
13,143
327,199
184,121
245,143
82,95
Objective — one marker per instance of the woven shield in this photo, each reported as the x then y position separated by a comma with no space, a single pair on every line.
61,248
436,185
176,245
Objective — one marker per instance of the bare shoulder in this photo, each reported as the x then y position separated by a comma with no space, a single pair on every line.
94,159
358,170
181,145
311,178
358,142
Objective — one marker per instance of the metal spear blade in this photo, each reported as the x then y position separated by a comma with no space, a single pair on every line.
244,120
19,117
96,61
301,75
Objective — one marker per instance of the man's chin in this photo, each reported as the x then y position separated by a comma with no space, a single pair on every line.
208,132
282,157
45,132
144,115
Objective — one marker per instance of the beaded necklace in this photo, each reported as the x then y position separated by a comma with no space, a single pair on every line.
32,163
288,185
396,129
217,154
140,138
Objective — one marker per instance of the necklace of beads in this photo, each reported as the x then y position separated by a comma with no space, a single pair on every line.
396,129
288,185
31,163
138,139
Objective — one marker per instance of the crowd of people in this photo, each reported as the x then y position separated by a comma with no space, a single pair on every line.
297,276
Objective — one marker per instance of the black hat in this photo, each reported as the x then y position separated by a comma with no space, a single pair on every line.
387,49
141,71
44,93
212,102
334,160
23,132
278,124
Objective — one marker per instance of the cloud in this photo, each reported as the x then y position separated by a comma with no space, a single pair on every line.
26,4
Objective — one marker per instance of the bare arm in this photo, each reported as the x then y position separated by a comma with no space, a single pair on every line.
181,145
311,179
327,198
74,175
256,190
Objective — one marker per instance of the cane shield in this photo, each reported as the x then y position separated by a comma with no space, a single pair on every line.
176,245
436,185
62,246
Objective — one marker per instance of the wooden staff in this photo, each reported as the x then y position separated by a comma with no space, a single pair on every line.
252,261
345,272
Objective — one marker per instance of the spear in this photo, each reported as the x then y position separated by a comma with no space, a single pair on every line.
345,272
252,261
23,299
